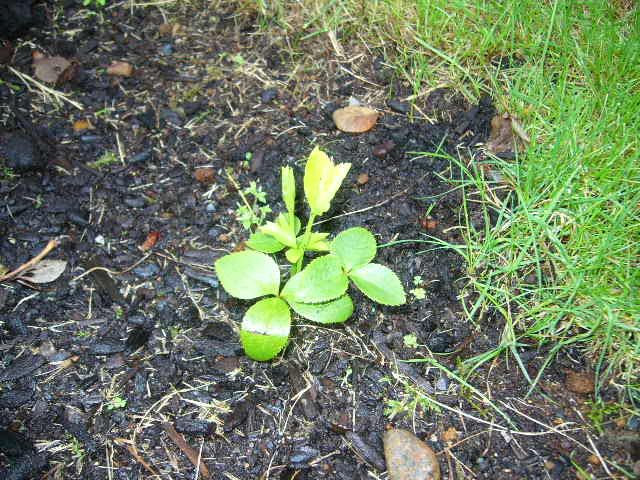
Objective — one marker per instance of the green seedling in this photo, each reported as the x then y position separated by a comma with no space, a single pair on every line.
116,403
106,159
254,208
95,3
316,292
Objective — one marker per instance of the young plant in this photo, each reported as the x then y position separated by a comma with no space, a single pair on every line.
317,292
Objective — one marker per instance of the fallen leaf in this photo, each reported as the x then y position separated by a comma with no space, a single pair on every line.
49,69
44,271
355,119
82,124
450,435
120,69
173,29
204,175
152,239
507,135
579,382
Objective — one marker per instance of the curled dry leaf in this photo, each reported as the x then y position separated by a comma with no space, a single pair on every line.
49,69
44,271
120,69
151,240
355,119
82,124
507,135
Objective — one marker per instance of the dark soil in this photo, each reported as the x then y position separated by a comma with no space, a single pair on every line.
100,367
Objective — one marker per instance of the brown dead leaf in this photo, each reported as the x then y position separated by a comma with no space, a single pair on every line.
152,239
49,69
579,382
82,124
45,271
173,29
205,175
450,435
120,69
355,119
507,135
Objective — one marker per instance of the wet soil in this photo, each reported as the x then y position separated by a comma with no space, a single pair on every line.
130,362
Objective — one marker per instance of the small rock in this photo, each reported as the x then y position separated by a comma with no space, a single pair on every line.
140,157
171,116
90,138
147,271
385,147
167,49
398,106
303,455
363,178
354,119
194,427
99,240
135,202
120,69
204,277
408,457
205,175
107,347
268,95
79,217
21,153
579,382
440,342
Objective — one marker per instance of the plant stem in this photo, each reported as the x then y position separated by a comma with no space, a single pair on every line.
305,241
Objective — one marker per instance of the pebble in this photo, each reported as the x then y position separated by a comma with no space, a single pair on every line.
90,138
398,106
208,278
408,457
385,147
303,454
147,270
363,178
21,153
440,342
135,202
167,49
78,217
268,95
171,116
194,427
99,240
140,157
107,347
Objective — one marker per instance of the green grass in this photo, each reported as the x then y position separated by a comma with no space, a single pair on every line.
562,263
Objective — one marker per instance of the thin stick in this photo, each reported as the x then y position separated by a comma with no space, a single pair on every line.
193,456
31,263
43,88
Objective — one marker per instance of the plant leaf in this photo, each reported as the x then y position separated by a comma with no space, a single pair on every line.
288,188
44,271
248,274
355,247
281,230
335,311
293,254
379,283
320,281
265,328
317,242
322,179
264,243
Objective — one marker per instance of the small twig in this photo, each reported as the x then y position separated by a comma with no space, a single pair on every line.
134,452
193,456
59,96
32,263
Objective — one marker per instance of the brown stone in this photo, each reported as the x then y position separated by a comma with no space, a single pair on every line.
354,119
363,178
408,457
205,175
